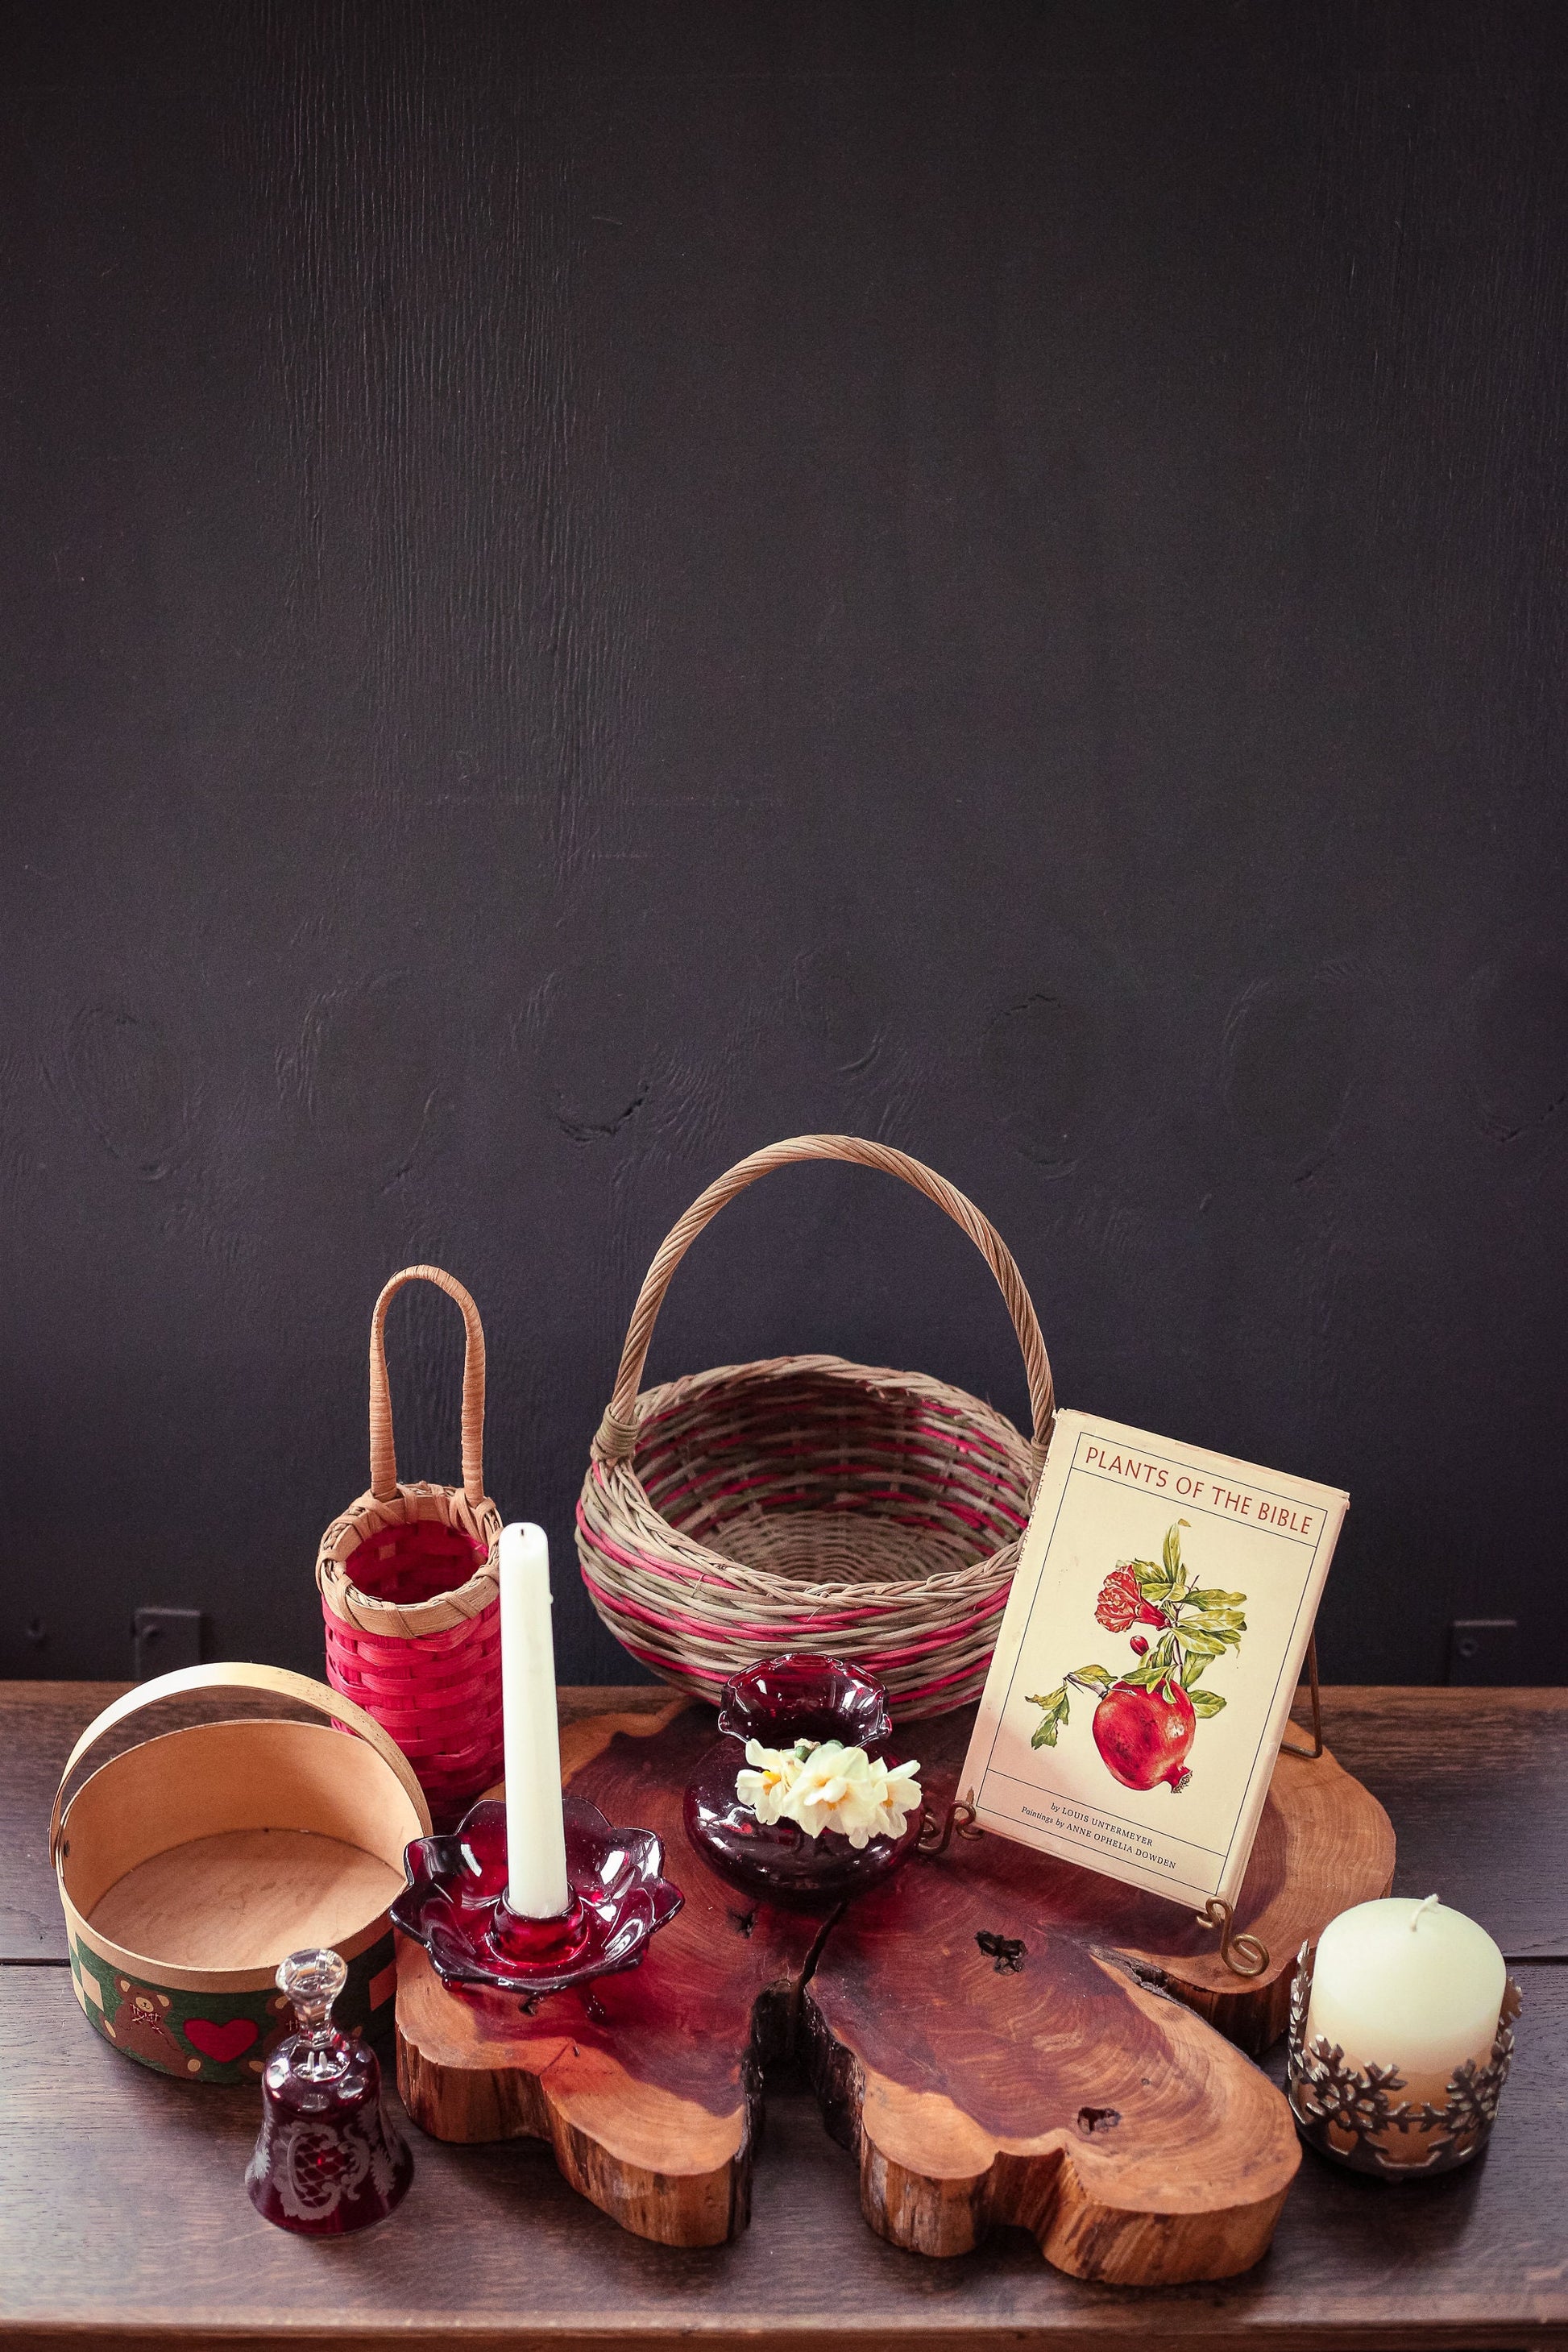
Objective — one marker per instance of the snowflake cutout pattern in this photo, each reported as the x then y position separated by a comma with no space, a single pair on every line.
1331,2093
1327,2096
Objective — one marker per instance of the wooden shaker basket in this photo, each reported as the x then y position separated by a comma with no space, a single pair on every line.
190,1866
409,1589
809,1502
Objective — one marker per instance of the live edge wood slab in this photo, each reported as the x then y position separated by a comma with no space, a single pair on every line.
1070,2080
646,2084
125,2223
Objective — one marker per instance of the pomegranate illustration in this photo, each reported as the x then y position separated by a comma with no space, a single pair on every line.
1145,1735
1145,1720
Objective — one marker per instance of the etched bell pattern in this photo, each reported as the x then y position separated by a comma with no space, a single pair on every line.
327,2159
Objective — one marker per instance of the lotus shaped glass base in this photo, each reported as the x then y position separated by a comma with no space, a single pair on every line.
455,1904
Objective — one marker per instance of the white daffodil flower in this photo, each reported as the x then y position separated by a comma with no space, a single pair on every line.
765,1788
826,1785
825,1793
841,1789
897,1794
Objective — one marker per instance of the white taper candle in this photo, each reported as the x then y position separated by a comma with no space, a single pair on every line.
535,1834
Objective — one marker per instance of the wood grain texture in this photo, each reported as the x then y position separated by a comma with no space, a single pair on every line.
1462,1772
646,2084
1002,2037
1322,1843
1074,2091
1051,2090
125,2223
241,1898
1443,1762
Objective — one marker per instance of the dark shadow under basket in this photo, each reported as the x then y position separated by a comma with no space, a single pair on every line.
809,1502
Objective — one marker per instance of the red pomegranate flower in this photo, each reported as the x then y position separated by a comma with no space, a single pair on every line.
1119,1601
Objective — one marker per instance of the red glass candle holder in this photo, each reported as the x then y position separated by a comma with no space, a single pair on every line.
455,1903
797,1695
327,2160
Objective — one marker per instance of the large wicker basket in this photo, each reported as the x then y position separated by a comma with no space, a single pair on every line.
809,1502
410,1592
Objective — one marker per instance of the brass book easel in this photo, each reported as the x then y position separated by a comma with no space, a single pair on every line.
1243,1954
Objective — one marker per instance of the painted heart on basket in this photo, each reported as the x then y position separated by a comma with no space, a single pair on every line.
221,2043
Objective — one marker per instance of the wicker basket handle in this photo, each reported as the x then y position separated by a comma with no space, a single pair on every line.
383,1455
618,1432
276,1679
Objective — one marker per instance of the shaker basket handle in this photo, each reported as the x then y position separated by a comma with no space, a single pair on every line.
618,1432
277,1679
383,1455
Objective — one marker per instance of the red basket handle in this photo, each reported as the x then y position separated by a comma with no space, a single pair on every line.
383,1455
618,1432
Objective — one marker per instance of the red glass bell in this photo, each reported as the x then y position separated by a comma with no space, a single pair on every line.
327,2160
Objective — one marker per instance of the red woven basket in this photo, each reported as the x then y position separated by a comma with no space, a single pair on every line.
409,1592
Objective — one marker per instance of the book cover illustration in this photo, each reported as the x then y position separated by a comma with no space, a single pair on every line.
1148,1713
1149,1654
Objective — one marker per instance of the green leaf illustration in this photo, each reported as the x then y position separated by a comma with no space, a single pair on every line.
1160,1661
1223,1632
1205,1703
1154,1581
1165,1584
1054,1704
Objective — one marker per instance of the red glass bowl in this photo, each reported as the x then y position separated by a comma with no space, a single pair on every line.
455,1903
801,1695
798,1696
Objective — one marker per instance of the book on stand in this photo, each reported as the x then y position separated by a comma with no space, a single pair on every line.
1149,1655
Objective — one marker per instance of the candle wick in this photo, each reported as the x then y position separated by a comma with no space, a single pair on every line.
1420,1911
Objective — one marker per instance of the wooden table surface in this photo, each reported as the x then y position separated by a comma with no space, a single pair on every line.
123,2217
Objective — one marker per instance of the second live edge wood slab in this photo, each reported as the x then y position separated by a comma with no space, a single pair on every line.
1068,2075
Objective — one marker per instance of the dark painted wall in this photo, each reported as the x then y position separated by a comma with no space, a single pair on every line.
588,586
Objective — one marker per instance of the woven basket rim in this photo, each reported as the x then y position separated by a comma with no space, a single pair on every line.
620,1481
397,1618
835,1368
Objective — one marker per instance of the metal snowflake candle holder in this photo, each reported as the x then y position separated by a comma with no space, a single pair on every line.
455,1904
1352,2115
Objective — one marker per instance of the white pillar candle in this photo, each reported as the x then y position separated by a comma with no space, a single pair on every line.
1407,1984
535,1833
